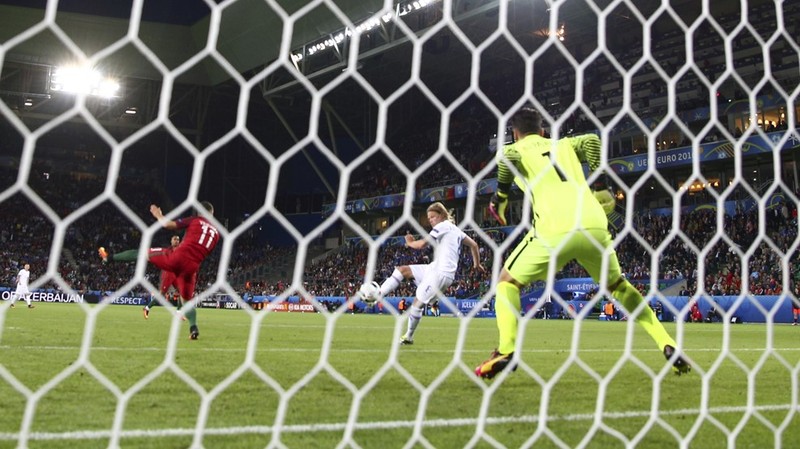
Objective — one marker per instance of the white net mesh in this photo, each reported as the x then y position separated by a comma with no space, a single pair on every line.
695,103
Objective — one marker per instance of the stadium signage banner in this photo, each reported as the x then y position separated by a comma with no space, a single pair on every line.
707,152
466,306
301,308
278,307
92,297
219,302
574,285
107,297
231,305
127,300
290,307
208,303
750,309
38,296
732,208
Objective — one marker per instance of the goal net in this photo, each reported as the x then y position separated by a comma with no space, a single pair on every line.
322,131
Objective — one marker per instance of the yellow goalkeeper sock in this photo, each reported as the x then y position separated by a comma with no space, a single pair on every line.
631,298
506,307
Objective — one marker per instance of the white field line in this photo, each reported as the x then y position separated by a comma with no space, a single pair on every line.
336,427
381,350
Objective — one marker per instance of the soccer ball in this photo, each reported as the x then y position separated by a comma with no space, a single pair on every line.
370,292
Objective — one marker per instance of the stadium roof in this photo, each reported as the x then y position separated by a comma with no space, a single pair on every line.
176,12
175,30
251,31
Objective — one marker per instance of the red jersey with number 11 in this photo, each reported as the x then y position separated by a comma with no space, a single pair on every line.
200,239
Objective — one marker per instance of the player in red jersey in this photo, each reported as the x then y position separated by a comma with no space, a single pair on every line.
184,261
199,240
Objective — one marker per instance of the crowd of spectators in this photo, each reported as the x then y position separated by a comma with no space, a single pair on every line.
468,143
23,238
741,259
342,272
26,234
735,258
604,93
725,260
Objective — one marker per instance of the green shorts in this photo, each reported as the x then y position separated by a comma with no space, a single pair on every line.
530,260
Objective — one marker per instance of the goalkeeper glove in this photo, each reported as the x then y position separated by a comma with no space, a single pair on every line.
606,199
497,207
602,192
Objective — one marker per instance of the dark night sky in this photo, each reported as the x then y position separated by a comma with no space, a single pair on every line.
176,12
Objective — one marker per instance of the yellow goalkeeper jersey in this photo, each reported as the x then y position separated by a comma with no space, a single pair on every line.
551,171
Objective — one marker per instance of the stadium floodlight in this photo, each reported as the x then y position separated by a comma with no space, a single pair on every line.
82,79
560,33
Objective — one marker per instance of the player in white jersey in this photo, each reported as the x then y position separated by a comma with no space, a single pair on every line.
22,286
432,279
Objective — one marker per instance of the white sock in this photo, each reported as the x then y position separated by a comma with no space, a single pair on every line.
391,283
414,317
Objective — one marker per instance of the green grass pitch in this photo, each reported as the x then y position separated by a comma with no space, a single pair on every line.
308,376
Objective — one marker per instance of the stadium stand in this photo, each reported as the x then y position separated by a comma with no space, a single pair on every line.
76,170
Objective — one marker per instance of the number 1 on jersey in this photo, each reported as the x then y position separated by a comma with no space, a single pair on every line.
561,174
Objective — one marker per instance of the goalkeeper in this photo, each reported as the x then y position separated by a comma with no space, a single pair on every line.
567,218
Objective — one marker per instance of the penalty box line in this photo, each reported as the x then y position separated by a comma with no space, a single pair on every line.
336,427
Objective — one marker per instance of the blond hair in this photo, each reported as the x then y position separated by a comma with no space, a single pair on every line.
439,208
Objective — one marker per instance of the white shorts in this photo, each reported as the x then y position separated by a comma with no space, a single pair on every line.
22,292
430,283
